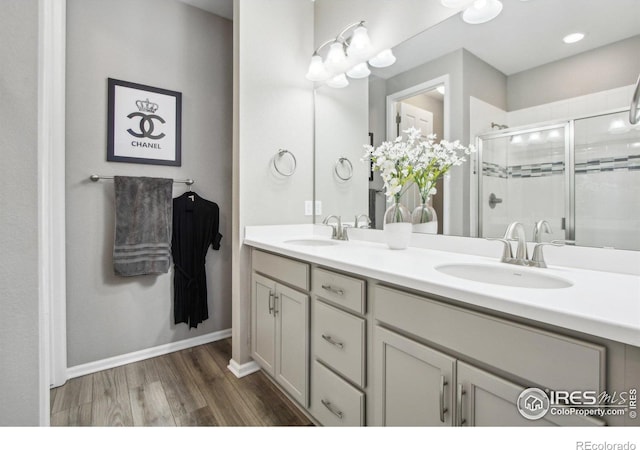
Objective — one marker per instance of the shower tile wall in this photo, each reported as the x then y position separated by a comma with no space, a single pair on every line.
584,105
607,177
529,178
607,182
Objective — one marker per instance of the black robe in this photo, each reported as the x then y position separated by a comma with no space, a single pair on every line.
195,227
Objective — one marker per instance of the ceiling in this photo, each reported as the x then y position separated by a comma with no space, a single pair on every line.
526,34
222,8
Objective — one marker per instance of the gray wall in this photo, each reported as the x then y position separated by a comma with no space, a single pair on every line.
604,68
19,336
166,44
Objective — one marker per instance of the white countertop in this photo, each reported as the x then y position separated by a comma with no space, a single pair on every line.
603,304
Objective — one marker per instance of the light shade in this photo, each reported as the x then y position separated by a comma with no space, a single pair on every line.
482,11
383,59
335,57
317,71
360,43
339,81
359,71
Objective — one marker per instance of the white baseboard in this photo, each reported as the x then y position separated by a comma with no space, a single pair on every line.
242,370
109,363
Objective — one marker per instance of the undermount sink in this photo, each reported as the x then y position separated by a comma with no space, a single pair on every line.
311,242
505,275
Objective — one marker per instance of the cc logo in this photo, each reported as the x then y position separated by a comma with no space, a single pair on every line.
146,125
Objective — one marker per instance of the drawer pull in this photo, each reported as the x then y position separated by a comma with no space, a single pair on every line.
333,290
333,342
459,395
271,299
330,407
443,410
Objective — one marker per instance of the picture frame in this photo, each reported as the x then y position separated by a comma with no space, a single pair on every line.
144,124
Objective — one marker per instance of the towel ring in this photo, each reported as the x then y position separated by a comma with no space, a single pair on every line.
341,162
279,155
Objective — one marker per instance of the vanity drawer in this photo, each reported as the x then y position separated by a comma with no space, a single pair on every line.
334,402
339,341
287,270
544,358
341,289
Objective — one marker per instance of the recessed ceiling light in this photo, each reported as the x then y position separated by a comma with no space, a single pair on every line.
573,38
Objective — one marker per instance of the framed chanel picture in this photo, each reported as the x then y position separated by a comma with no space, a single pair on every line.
144,124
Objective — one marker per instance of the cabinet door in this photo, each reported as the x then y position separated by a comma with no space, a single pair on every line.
292,342
488,400
413,383
263,324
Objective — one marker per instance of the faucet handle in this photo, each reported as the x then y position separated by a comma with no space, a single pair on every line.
507,254
537,260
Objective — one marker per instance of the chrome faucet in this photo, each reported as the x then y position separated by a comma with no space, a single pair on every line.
521,252
542,226
339,230
537,260
367,223
522,258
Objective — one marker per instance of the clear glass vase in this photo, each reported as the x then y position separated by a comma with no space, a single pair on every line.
424,218
397,225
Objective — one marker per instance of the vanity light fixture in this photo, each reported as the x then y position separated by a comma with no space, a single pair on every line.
359,71
618,126
476,11
482,11
347,55
573,38
383,59
339,81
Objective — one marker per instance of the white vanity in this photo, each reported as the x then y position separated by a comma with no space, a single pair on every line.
358,334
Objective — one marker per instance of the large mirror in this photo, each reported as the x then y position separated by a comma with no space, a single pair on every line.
548,118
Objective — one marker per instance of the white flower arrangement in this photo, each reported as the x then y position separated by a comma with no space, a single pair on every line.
419,159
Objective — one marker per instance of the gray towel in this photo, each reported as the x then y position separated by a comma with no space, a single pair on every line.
143,225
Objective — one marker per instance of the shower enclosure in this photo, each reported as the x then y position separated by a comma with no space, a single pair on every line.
580,175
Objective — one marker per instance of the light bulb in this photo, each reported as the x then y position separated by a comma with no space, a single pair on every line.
359,71
517,140
535,138
383,59
339,81
482,11
554,136
360,43
618,127
317,71
335,57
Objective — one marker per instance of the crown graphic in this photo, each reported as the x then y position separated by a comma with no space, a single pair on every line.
147,106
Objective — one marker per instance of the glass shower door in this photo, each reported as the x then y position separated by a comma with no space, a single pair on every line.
524,180
607,182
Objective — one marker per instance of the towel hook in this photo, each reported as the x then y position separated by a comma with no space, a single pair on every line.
343,160
278,156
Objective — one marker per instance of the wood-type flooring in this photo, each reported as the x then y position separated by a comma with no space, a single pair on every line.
191,387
